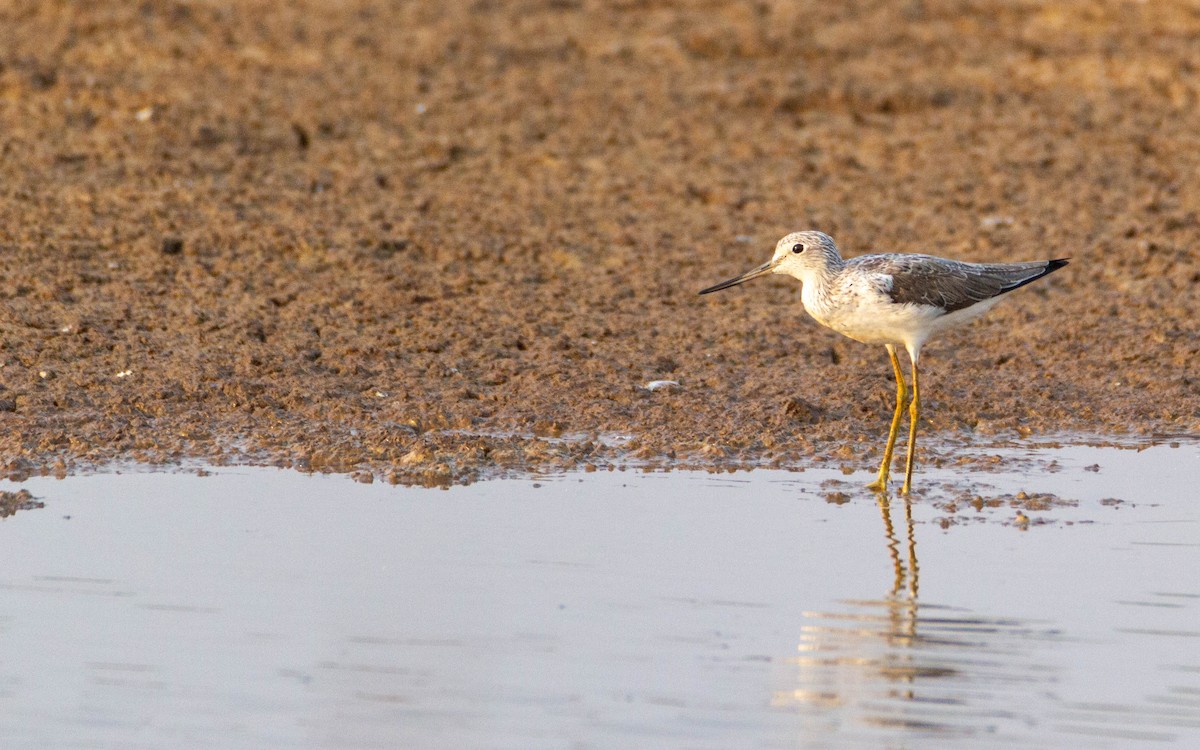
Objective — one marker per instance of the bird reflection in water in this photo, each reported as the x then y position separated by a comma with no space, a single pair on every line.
901,605
896,663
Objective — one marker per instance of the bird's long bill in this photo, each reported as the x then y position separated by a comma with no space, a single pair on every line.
762,270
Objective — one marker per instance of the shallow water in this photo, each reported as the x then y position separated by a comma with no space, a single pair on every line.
263,608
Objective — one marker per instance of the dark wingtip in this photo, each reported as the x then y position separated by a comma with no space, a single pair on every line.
1051,267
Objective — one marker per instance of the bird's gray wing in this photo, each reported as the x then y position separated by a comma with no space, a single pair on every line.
952,285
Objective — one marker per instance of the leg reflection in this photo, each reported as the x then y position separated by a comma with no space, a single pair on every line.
905,576
931,671
901,603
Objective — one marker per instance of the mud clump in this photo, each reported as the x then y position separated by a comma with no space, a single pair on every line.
434,242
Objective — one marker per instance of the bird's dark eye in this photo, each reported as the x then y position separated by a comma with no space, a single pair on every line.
797,248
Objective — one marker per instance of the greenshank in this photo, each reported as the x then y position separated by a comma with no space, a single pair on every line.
892,299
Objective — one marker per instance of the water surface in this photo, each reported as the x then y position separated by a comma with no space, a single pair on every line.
263,608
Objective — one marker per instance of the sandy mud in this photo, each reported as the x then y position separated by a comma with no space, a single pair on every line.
429,242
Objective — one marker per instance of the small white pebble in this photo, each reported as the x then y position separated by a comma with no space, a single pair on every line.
144,114
997,221
658,385
124,373
421,108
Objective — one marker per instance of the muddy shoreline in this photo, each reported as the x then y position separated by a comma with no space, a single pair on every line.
426,244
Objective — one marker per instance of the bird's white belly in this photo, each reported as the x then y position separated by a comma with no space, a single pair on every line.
875,319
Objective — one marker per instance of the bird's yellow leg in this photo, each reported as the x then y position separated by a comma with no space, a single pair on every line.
914,412
880,483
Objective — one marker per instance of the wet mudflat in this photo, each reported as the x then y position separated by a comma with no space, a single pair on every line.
1047,601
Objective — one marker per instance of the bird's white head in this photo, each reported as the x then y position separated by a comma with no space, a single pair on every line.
802,255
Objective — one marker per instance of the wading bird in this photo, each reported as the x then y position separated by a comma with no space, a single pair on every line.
892,299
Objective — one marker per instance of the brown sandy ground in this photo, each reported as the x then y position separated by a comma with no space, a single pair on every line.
411,239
